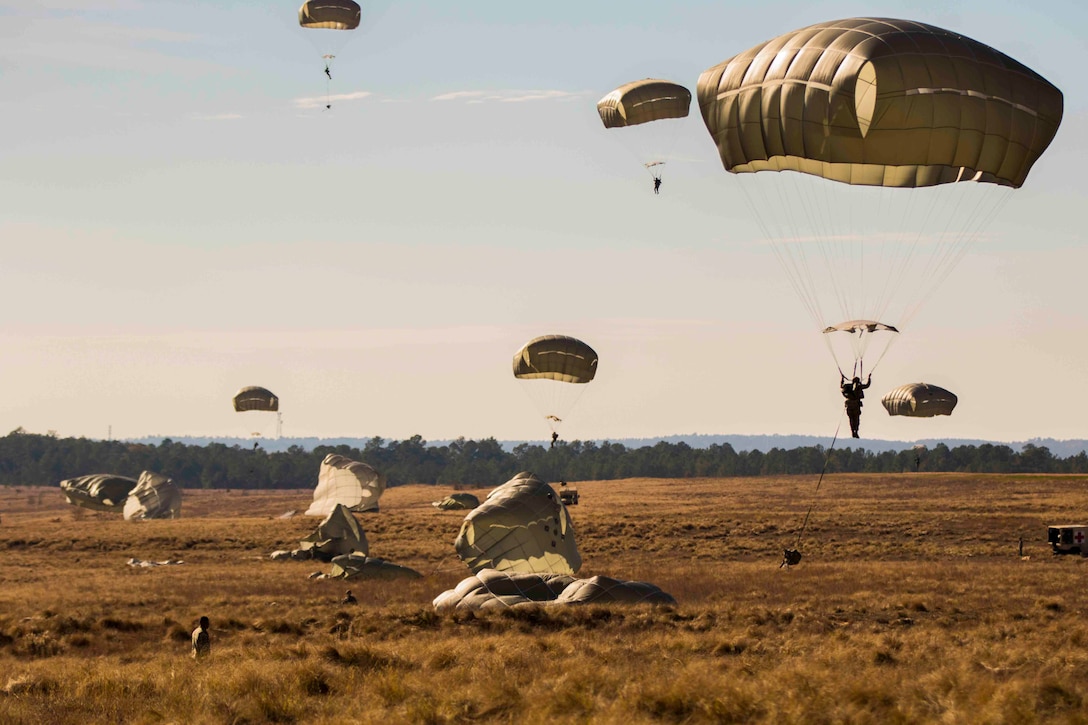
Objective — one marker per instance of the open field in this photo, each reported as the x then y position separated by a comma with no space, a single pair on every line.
911,605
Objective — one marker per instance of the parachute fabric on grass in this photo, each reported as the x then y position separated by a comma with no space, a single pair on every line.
361,566
343,481
553,370
329,14
606,590
872,122
256,398
338,534
98,491
457,502
521,527
491,589
919,400
154,497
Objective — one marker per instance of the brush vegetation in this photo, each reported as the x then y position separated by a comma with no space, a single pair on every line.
912,604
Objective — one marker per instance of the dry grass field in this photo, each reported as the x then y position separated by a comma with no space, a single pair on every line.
911,605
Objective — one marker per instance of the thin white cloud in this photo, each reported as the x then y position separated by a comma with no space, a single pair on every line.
216,116
509,96
322,101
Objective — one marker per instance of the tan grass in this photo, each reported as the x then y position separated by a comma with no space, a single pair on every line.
911,605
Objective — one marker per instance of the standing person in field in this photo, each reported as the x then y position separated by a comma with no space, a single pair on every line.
202,641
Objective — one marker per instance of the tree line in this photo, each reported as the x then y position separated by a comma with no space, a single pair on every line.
28,459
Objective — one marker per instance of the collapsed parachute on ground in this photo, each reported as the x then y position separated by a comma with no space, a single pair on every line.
338,534
342,481
457,501
554,370
361,566
653,106
919,400
154,497
491,589
256,398
522,526
875,124
98,491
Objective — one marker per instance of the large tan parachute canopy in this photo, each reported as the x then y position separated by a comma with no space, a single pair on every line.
255,398
329,14
643,101
522,526
879,102
154,497
606,590
342,481
337,535
555,357
98,491
490,589
919,400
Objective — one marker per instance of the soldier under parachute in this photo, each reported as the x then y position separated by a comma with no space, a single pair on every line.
555,437
328,72
657,184
853,391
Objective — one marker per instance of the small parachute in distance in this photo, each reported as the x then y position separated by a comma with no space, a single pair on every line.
919,400
859,336
522,526
650,104
457,501
255,398
553,370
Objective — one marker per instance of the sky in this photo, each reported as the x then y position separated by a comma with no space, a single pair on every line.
180,217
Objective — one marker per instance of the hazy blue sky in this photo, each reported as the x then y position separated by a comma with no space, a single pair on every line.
180,217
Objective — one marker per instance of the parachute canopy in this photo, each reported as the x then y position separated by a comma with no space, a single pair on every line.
255,398
491,589
338,534
361,566
644,101
879,102
522,526
329,14
555,357
919,400
859,327
457,501
154,497
98,491
342,481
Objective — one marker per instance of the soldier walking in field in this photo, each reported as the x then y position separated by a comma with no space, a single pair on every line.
202,641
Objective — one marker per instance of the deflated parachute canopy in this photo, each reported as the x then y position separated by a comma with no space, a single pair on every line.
919,400
342,481
255,398
642,102
879,102
338,534
154,497
329,14
361,566
98,491
457,501
606,590
521,527
490,589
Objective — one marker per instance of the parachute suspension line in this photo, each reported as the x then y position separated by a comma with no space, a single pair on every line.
812,503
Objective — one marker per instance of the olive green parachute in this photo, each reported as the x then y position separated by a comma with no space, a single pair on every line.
555,357
879,102
457,501
154,497
329,14
98,491
919,400
522,526
256,398
361,566
342,481
491,589
642,102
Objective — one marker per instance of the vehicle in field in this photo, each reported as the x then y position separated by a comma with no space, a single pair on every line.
1069,539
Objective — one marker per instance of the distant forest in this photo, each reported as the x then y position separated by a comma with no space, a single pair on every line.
28,459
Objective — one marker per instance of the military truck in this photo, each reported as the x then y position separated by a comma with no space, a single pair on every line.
1068,539
568,494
